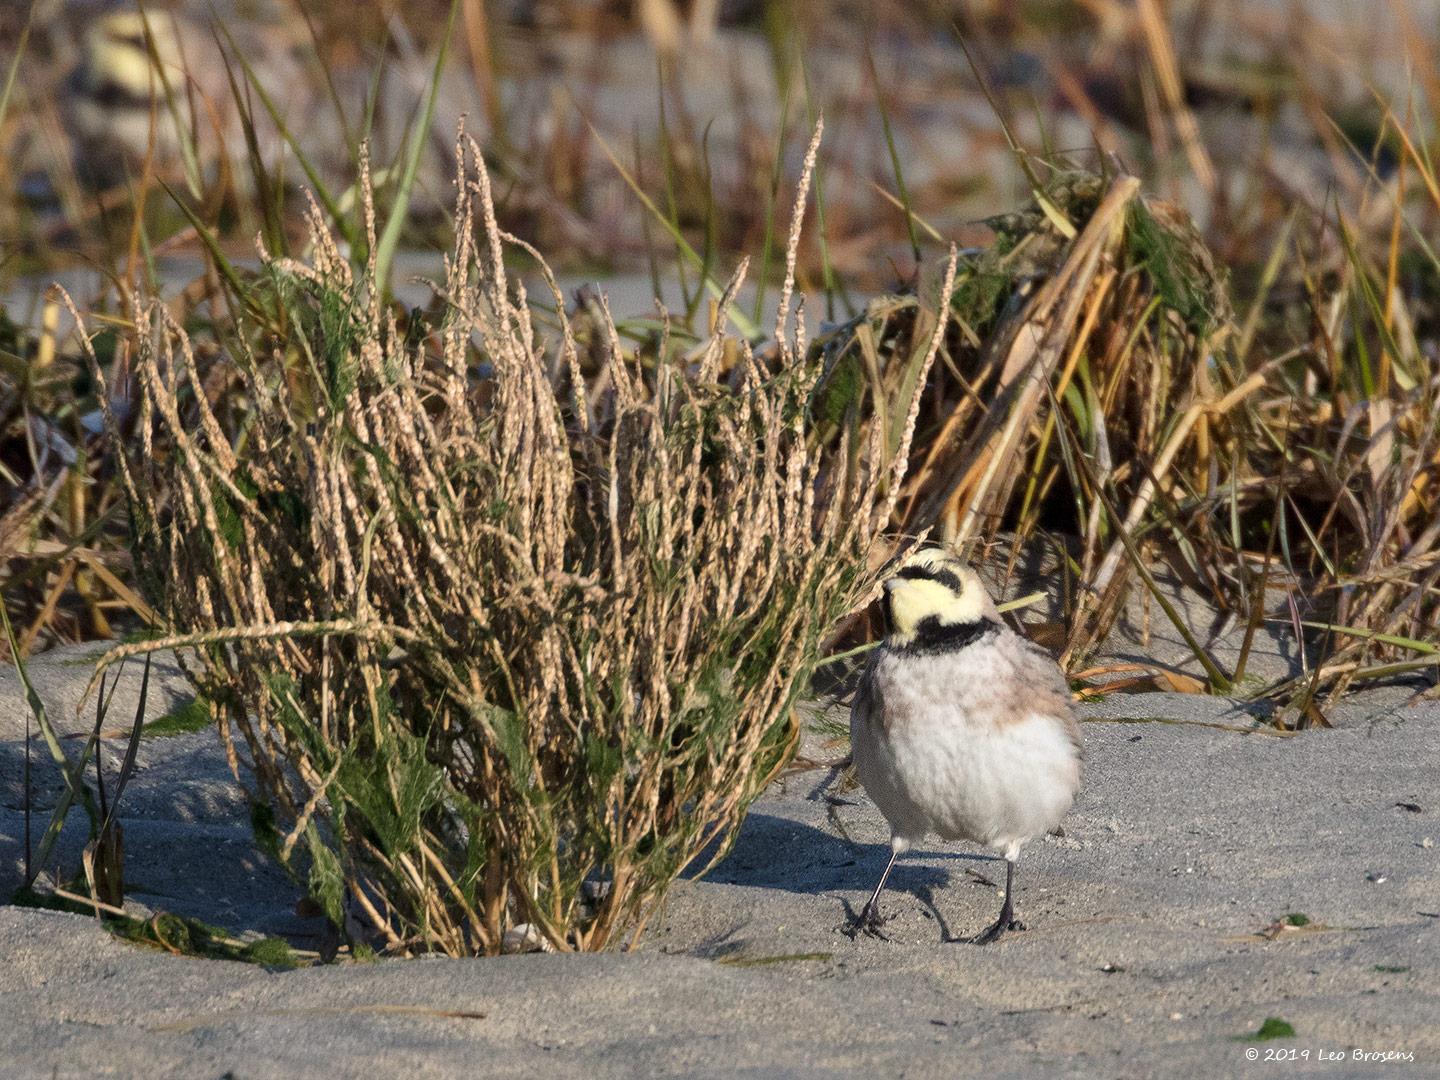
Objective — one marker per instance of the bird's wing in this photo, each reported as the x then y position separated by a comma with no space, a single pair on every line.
1047,687
866,702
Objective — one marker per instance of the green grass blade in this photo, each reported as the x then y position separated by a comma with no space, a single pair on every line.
419,137
73,774
707,255
273,226
1022,157
15,63
1268,276
128,765
351,143
833,284
767,252
717,289
223,265
1376,310
672,202
312,176
1412,644
184,134
900,187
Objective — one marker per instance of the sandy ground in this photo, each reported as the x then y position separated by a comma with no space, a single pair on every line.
1151,945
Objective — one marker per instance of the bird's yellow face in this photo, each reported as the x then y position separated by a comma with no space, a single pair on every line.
933,585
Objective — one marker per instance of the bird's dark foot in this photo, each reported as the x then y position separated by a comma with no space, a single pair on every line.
993,932
869,922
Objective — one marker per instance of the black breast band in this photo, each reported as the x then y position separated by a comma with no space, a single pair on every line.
934,636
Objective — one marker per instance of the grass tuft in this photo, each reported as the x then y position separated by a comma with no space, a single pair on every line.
525,644
193,716
1272,1028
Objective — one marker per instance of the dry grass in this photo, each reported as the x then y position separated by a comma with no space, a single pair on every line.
1097,390
1083,375
498,648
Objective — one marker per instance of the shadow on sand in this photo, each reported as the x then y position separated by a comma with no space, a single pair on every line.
774,852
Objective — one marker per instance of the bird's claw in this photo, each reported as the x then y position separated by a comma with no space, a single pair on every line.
869,922
992,932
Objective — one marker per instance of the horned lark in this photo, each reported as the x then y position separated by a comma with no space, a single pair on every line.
960,726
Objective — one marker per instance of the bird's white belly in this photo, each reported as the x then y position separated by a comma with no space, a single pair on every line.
994,784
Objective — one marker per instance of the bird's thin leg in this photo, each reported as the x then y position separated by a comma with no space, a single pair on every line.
869,919
872,907
1007,920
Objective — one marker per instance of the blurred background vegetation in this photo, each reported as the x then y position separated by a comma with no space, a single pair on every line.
1235,111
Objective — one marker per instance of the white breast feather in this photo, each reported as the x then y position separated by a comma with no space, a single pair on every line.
952,744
